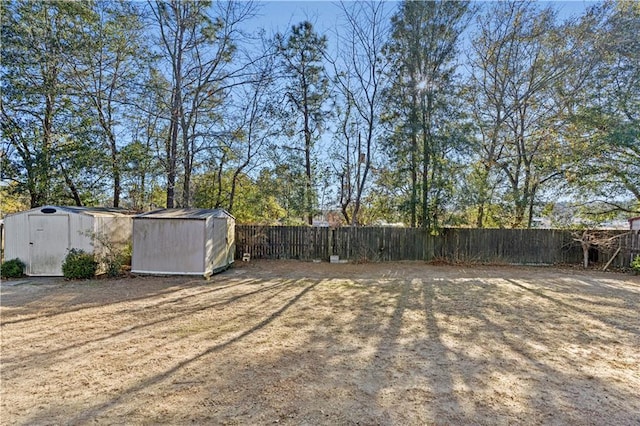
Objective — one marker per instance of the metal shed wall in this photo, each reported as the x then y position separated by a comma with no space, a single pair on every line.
182,242
224,248
116,229
42,240
168,246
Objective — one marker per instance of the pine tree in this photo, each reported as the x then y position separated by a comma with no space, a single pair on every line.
422,109
307,92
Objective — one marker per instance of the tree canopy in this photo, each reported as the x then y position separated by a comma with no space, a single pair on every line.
431,114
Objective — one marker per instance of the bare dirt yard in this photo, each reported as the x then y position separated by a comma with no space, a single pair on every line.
302,343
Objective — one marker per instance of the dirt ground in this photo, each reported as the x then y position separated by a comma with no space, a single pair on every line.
302,343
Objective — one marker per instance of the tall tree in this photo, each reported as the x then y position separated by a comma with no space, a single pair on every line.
521,64
243,139
144,157
605,130
423,53
254,124
306,89
197,41
360,75
39,42
106,77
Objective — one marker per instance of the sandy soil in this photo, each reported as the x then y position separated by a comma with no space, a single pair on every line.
302,343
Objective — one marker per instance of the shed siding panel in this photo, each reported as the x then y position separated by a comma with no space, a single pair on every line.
231,240
80,232
219,242
16,237
116,230
168,246
211,246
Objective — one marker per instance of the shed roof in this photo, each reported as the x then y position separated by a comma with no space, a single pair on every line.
91,211
188,214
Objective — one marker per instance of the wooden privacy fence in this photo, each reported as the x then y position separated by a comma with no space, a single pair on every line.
519,246
630,248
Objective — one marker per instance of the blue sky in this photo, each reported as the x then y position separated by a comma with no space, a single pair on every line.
280,15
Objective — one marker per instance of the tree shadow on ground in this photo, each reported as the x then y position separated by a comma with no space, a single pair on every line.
427,346
82,297
484,354
95,411
135,322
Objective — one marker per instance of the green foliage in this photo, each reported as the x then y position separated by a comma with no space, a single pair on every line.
140,170
604,127
13,268
518,117
423,109
39,39
113,262
254,202
79,265
97,107
108,72
307,93
111,257
12,200
635,265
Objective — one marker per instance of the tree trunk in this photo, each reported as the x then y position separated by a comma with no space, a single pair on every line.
480,218
115,170
414,165
427,148
172,148
585,253
307,153
72,187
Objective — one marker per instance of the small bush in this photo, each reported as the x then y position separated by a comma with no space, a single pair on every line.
13,268
635,265
110,257
79,265
126,254
111,264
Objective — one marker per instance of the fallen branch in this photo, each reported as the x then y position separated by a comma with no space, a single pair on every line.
611,260
602,240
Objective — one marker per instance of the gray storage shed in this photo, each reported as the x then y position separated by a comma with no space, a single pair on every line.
41,237
183,242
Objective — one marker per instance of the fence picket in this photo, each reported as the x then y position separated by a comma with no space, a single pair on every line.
538,246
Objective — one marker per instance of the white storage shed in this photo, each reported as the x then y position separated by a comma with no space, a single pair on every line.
41,237
183,242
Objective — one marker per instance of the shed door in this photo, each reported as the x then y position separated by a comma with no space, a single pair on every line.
48,243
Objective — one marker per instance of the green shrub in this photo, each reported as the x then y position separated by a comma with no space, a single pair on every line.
635,265
79,265
110,256
113,260
13,268
111,263
126,254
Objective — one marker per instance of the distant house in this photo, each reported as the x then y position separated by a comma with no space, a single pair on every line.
634,223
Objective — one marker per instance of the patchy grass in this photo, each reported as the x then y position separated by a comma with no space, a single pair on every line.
305,343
